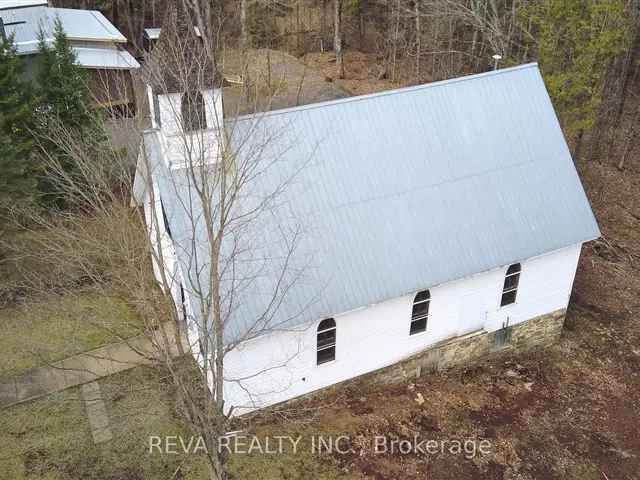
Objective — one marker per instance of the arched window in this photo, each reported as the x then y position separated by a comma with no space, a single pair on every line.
193,112
510,288
326,341
420,312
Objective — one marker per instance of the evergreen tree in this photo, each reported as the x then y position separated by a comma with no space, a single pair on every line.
62,84
63,101
577,39
17,183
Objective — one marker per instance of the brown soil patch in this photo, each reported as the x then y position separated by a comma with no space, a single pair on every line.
568,412
361,71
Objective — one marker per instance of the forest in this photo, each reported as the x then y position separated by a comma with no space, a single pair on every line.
76,274
587,49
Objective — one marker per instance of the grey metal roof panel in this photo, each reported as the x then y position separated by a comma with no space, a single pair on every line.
87,25
10,4
152,33
105,58
405,190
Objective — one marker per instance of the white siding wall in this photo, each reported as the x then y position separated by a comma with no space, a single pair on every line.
203,143
377,336
175,144
170,110
165,251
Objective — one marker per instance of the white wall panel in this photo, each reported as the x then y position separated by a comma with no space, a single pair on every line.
282,365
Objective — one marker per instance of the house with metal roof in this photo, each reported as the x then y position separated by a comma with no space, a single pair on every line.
98,45
433,224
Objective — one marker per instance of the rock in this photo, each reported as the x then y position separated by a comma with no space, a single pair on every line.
621,453
419,399
528,385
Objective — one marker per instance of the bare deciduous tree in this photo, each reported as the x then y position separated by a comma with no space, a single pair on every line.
191,280
244,29
217,192
337,37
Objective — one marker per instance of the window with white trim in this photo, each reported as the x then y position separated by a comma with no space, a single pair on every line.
510,287
326,347
420,312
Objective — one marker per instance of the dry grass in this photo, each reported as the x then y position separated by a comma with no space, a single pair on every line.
567,412
50,329
50,438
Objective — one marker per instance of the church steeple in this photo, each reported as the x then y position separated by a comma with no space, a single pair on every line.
184,88
179,62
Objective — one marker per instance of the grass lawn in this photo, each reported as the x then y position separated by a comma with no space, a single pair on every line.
50,439
567,412
557,413
56,327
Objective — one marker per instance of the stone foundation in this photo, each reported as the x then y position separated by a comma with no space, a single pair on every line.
467,349
462,351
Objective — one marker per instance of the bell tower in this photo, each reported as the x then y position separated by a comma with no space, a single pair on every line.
184,90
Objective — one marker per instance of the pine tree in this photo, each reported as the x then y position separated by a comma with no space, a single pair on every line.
576,41
63,104
17,183
62,83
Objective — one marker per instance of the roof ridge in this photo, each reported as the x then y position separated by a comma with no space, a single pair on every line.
357,98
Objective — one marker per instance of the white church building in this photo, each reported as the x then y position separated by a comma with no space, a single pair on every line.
429,214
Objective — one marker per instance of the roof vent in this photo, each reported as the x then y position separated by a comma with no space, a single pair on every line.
497,57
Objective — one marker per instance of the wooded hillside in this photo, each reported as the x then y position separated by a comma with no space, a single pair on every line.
587,49
77,274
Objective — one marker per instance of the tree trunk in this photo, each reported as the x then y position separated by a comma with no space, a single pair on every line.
114,12
244,31
630,137
628,77
323,25
361,7
436,35
452,67
578,146
337,38
418,40
298,29
474,41
396,30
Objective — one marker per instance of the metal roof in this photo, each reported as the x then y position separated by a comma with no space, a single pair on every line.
79,25
6,4
152,33
105,58
398,191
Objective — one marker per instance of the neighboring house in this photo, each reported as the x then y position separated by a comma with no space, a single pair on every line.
98,45
433,214
151,36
